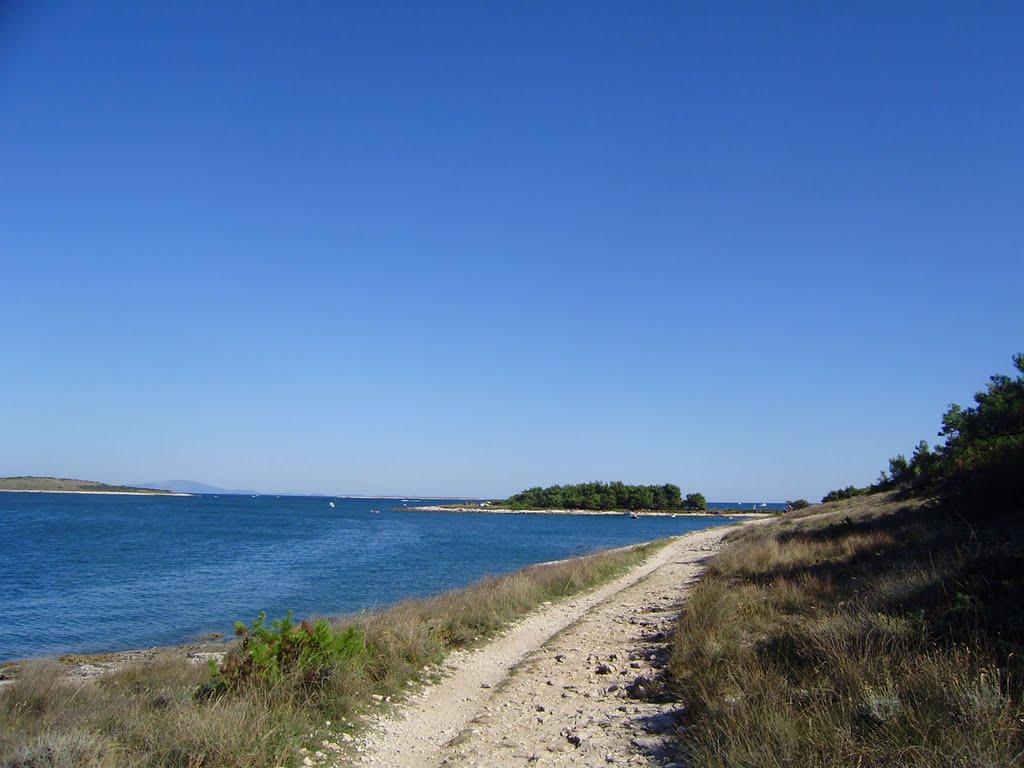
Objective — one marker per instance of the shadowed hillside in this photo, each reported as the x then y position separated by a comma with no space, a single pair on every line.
882,629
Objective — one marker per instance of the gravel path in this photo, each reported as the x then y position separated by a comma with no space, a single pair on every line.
574,684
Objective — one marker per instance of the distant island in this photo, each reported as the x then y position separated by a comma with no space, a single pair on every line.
607,496
67,485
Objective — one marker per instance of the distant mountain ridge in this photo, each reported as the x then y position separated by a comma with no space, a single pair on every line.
192,486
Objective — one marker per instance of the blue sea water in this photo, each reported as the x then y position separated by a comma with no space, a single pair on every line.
96,573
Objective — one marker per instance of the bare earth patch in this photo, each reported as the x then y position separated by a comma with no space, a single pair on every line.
576,683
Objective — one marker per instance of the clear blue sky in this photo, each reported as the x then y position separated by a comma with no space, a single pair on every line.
754,249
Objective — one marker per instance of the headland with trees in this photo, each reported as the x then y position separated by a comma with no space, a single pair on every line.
608,496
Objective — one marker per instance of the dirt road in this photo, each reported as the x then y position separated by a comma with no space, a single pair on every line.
574,684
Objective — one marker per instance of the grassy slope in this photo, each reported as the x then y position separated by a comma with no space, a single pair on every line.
870,632
65,484
165,713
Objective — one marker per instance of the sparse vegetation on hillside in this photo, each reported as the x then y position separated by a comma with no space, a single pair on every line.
881,629
877,632
843,493
981,462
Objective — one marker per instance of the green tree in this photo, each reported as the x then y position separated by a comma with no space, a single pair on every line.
640,497
923,464
843,493
670,496
983,458
898,468
695,502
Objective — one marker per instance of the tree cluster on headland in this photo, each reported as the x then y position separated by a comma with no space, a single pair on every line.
607,496
982,459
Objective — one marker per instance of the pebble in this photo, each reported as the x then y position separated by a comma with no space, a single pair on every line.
662,723
647,743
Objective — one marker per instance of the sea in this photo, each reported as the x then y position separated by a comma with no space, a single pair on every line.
98,573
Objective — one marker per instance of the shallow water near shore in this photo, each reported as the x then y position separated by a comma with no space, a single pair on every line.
90,574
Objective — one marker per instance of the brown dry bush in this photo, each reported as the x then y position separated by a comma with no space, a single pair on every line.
64,749
40,690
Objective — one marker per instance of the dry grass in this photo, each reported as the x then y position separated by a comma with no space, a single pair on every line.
145,714
852,637
161,713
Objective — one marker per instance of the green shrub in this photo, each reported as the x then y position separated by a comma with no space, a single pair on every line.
842,494
309,651
695,502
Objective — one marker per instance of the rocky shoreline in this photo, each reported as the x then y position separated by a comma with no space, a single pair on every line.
86,666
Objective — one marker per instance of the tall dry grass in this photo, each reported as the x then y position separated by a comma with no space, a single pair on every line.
852,638
166,713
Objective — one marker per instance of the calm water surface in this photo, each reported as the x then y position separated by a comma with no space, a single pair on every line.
89,573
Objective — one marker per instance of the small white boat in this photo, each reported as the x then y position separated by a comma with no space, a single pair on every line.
374,511
331,503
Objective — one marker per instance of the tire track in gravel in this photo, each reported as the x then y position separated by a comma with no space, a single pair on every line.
573,684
